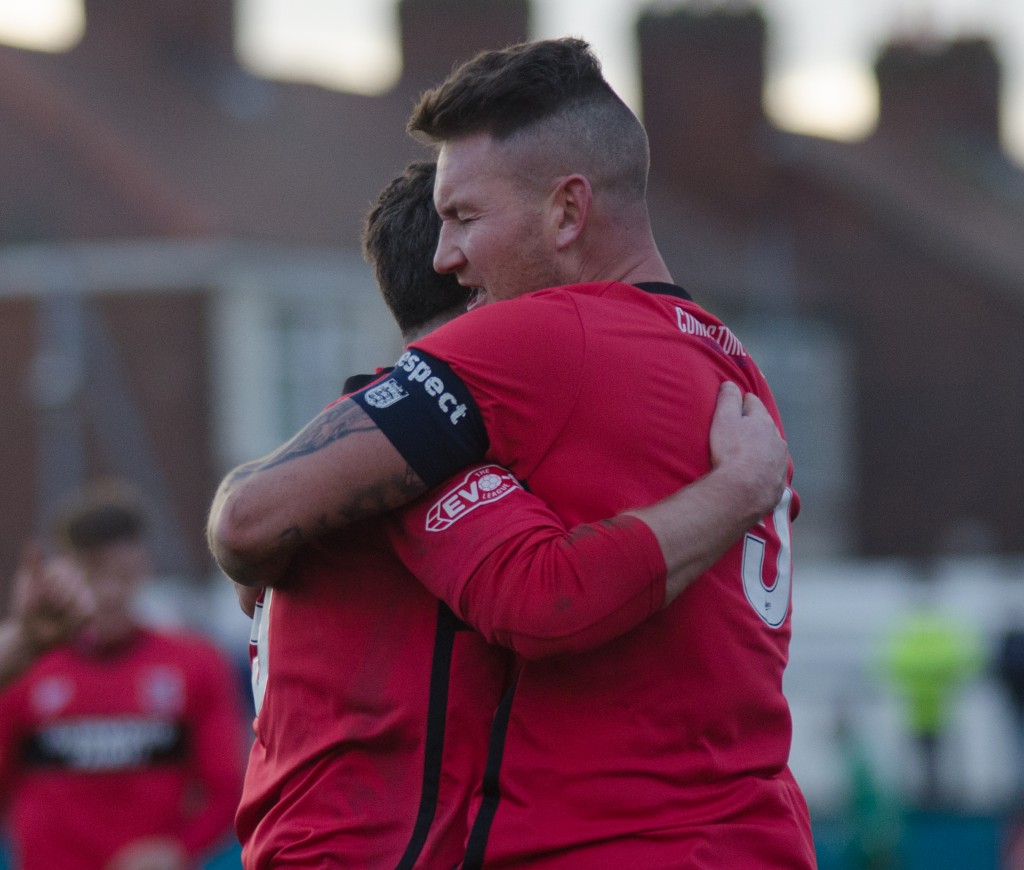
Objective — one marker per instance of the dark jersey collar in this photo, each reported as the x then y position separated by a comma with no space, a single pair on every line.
355,383
664,289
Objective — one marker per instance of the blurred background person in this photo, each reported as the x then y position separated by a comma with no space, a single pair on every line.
122,749
1008,668
928,659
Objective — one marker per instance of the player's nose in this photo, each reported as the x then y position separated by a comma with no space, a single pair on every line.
448,258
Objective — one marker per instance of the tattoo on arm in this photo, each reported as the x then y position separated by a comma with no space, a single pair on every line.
335,423
331,425
380,497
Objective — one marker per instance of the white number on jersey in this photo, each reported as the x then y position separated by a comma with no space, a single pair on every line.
768,565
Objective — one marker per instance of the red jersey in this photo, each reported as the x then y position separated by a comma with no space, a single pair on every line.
374,708
667,746
505,563
101,748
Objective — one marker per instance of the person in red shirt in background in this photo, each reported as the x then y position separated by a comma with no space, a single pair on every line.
122,749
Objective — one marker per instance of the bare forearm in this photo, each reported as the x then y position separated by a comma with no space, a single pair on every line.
257,561
338,469
696,525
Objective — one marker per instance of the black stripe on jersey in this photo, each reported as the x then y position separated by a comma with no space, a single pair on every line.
477,844
105,743
437,713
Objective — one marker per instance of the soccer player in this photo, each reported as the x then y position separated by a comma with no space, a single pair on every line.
374,702
668,745
122,749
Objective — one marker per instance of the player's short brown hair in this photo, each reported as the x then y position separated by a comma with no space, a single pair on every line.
399,240
103,512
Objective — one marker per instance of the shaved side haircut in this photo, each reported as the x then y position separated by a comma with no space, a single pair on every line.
549,98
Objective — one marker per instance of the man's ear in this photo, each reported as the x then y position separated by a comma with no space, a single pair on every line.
572,198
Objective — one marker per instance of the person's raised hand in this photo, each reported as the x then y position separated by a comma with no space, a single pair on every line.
51,599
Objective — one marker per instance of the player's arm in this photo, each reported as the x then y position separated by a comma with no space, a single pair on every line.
511,569
338,469
504,562
365,455
50,604
750,465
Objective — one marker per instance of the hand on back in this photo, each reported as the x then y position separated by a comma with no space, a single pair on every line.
745,442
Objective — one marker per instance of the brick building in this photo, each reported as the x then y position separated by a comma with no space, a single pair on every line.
180,281
881,282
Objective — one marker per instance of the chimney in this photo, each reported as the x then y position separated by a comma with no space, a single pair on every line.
702,76
438,34
185,33
944,92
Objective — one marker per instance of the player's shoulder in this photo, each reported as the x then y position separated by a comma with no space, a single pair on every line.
538,321
570,296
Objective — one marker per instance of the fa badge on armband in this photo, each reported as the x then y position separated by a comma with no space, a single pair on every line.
386,394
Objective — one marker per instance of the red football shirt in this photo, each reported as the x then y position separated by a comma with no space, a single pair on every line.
667,746
374,707
505,563
101,748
